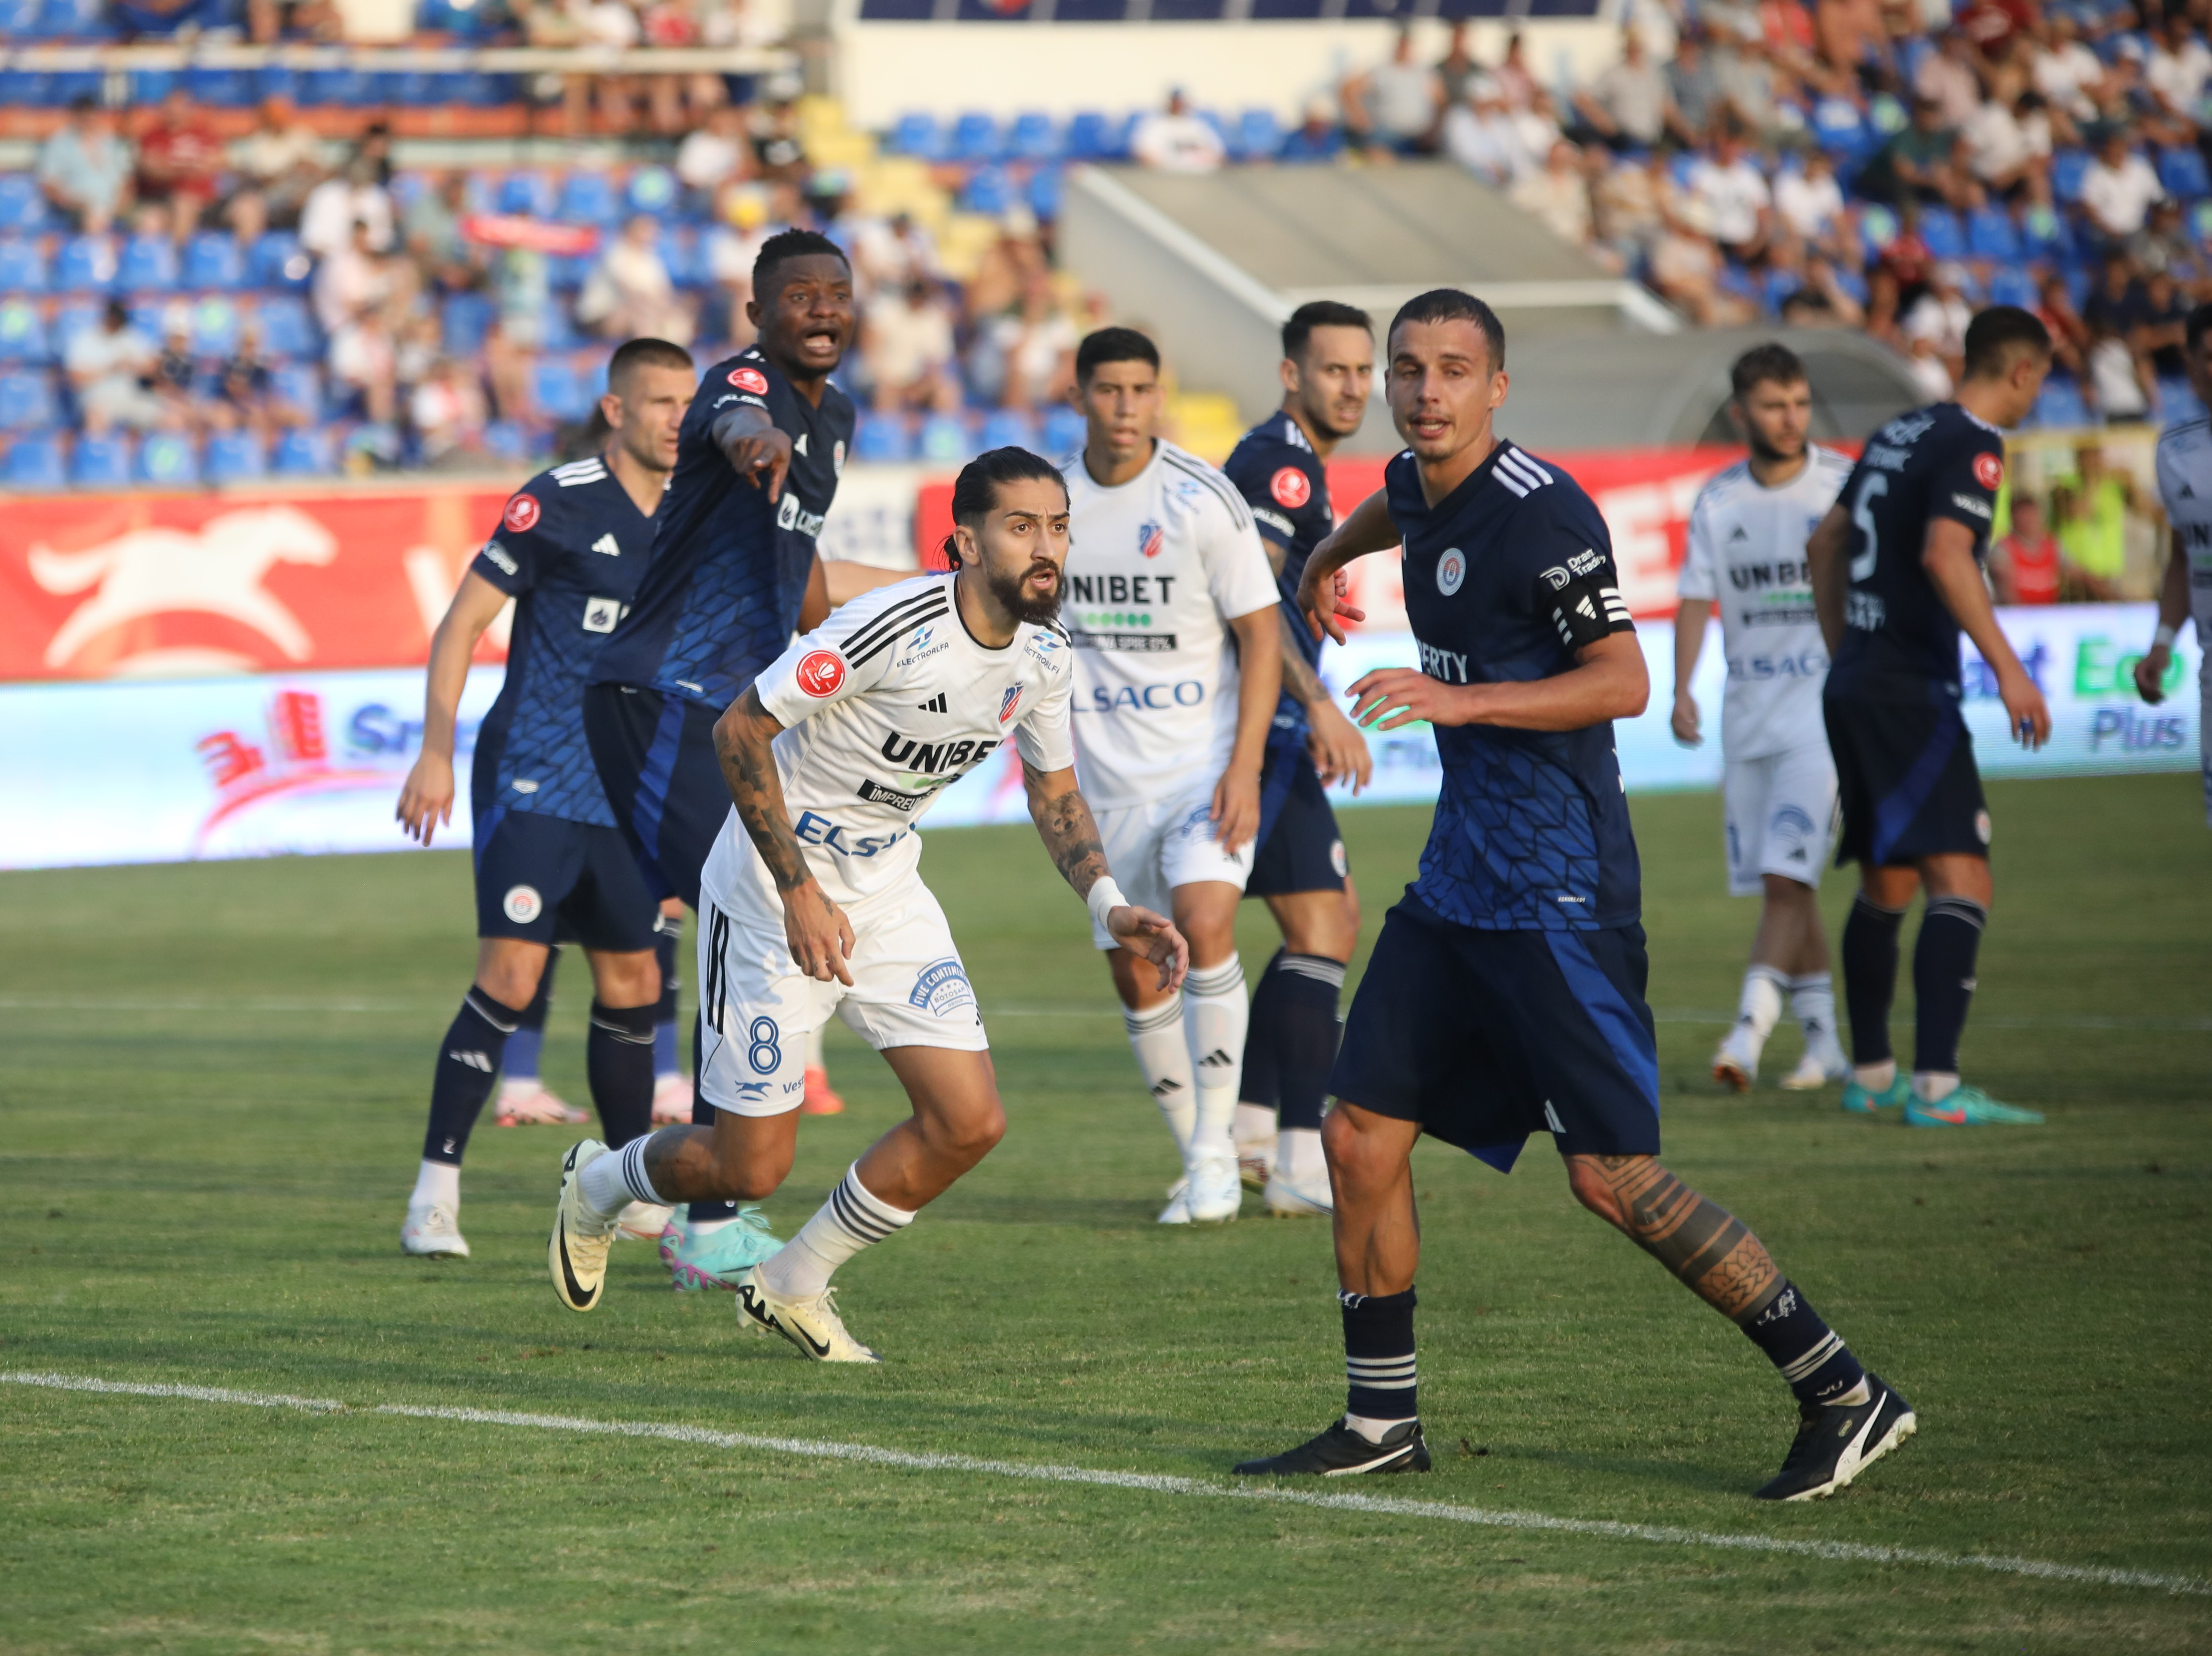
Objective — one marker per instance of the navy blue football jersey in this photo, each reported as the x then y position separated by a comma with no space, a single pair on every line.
1283,481
1898,637
722,595
1506,577
571,548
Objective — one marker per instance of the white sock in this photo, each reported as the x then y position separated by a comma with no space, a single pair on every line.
1254,1126
519,1086
1760,1008
1215,1013
1298,1153
1164,1059
814,1048
1934,1086
1813,999
618,1178
1876,1078
437,1182
1373,1431
849,1221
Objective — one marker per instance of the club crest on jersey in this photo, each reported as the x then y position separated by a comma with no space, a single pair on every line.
838,458
522,904
1451,571
1008,702
1151,537
941,987
1292,488
820,673
751,379
1988,470
522,513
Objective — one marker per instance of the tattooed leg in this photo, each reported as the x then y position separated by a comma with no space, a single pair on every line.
1705,1245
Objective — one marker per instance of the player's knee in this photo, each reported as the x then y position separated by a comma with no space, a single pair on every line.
969,1134
1358,1157
628,979
1591,1190
511,981
756,1177
1782,892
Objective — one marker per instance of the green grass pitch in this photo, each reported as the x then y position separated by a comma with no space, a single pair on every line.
212,1080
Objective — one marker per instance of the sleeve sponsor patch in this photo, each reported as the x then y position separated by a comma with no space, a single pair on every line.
1290,487
522,514
1988,470
820,673
751,379
495,554
1974,504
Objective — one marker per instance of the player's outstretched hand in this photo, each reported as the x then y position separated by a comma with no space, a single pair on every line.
761,458
1322,611
1153,937
1235,807
2025,707
1399,696
820,936
1339,751
426,800
2150,674
1686,722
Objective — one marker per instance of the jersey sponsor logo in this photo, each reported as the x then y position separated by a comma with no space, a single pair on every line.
523,785
601,615
875,794
1762,577
1008,702
522,513
1451,571
522,904
820,673
494,552
1121,589
1290,487
1864,612
751,379
927,759
608,545
941,988
1448,665
1988,470
1968,503
1151,537
1142,644
1042,647
812,829
1146,698
789,515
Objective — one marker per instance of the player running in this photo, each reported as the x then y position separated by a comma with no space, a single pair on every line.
1299,865
814,901
1505,994
1747,554
1896,575
569,549
2185,487
1178,666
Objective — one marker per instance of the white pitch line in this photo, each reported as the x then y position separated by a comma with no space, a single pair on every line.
1154,1484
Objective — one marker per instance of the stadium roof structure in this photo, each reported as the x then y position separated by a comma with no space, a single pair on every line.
1211,264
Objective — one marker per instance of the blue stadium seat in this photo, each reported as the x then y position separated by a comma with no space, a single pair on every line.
19,19
684,249
235,457
652,189
64,87
1089,137
148,265
277,260
1047,185
883,439
587,197
215,324
1990,234
1033,137
1257,135
286,328
560,393
1008,428
69,320
566,272
26,400
2176,400
2011,285
22,206
21,88
73,20
2200,221
2066,167
22,332
945,440
1939,228
100,462
2044,233
414,88
212,260
302,453
1064,429
298,385
1777,287
219,88
2060,404
975,137
150,317
87,265
1878,226
353,86
22,266
530,193
467,319
1840,128
915,134
150,86
505,440
34,464
167,458
2182,172
988,192
277,81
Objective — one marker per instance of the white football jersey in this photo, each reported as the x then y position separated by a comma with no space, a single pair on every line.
1156,569
883,705
1747,554
2184,488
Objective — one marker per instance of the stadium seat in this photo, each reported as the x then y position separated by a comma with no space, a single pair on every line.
150,316
2182,172
2044,234
2176,400
559,390
1064,429
1047,185
148,265
298,385
212,260
1990,234
1878,226
277,81
277,260
302,453
567,272
2067,167
167,459
684,251
19,19
1033,137
1089,137
652,189
26,400
286,328
988,192
22,332
587,197
505,440
64,87
235,457
219,88
883,439
100,462
1776,287
87,265
975,137
2010,285
22,206
1939,228
69,320
2060,404
1258,135
215,325
21,88
73,20
149,86
468,318
915,134
22,266
530,193
945,440
1007,428
34,463
1840,128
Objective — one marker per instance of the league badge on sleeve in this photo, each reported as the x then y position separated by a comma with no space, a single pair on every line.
522,513
1988,470
1292,488
820,673
751,379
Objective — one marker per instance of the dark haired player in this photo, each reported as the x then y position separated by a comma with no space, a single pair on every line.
1505,994
1896,575
569,549
1298,866
2184,489
813,902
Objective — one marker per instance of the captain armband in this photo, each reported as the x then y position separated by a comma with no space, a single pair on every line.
1584,598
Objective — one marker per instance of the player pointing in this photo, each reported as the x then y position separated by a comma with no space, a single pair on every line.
813,900
1505,994
2185,487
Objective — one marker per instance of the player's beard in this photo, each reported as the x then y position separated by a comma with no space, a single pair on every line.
1762,450
1014,595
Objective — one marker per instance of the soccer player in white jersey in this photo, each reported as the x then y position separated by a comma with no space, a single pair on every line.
1172,608
1747,556
813,900
2185,487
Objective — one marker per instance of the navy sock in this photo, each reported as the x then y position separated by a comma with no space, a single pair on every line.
618,1058
519,1062
1943,978
1261,1082
1870,977
667,936
1306,1033
703,1115
1378,1356
468,1063
1811,1355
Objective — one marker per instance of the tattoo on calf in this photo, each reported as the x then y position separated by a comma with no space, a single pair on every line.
1705,1246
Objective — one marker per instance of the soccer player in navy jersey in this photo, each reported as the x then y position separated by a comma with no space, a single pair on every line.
569,549
1896,575
1505,995
1299,868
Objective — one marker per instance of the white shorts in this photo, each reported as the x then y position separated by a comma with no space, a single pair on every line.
1152,848
1781,817
909,989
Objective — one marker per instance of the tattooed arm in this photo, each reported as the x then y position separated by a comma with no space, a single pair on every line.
1707,1247
1065,824
820,936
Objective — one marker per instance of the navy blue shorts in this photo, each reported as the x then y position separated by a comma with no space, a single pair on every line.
1485,1037
1300,849
1907,779
545,879
655,756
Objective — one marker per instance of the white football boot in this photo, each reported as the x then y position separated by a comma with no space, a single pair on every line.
672,1102
576,1251
1735,1066
813,1326
1216,1192
642,1222
1824,1062
1177,1212
433,1231
1287,1197
1255,1161
528,1104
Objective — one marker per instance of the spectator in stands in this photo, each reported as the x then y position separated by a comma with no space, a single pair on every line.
278,164
907,350
1316,139
2070,337
1004,268
1025,358
1949,78
175,378
1823,301
1940,317
1686,268
1920,163
887,252
85,168
2159,330
1627,106
1734,194
2069,75
772,127
268,21
1748,82
1557,194
1394,107
731,247
1480,134
506,363
2118,187
110,369
1629,203
363,365
2007,145
336,206
1519,87
350,280
2118,383
629,294
2025,564
245,393
180,162
446,261
716,154
2178,67
2163,245
1808,200
1176,140
446,410
1454,70
1693,91
2092,508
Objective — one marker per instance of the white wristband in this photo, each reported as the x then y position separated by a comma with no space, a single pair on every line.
2162,639
1105,897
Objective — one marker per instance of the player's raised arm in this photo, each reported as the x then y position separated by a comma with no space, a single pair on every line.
427,799
820,936
758,451
1064,822
1369,529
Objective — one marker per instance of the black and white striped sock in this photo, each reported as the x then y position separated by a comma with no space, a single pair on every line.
850,1220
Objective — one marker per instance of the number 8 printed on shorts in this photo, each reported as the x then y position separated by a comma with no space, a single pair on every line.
765,1055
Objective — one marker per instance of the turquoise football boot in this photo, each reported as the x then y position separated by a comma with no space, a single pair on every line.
1968,1107
717,1258
1857,1101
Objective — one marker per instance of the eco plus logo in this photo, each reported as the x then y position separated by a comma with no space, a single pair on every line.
1151,537
751,379
1292,488
522,514
820,673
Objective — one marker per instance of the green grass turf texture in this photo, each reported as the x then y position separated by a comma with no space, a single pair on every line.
212,1084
